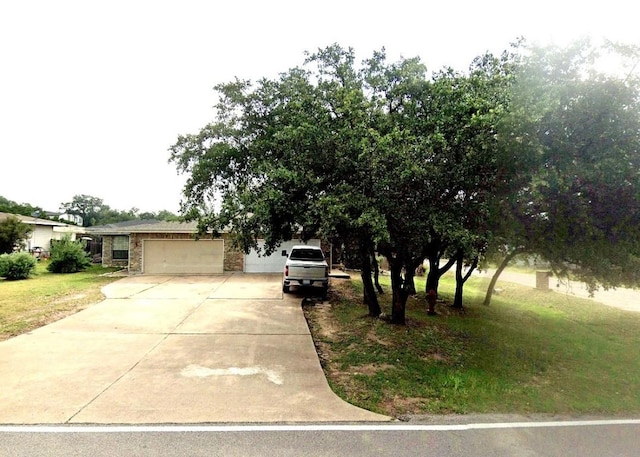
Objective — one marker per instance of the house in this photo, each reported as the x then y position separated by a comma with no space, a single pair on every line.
161,247
73,218
44,230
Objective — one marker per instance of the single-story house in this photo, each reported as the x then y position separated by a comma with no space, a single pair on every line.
161,247
45,230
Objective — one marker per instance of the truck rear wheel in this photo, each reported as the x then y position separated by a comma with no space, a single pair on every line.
285,289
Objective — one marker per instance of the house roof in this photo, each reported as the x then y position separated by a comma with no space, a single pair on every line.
143,226
33,220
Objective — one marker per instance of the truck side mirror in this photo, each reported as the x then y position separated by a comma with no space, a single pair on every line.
284,253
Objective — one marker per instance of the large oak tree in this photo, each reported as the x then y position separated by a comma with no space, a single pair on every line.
580,206
380,155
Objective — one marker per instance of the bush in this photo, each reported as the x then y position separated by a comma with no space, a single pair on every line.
19,265
12,234
68,256
5,260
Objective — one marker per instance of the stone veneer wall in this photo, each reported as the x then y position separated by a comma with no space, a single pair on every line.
107,250
233,259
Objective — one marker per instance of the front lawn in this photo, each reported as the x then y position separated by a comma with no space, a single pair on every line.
529,352
46,297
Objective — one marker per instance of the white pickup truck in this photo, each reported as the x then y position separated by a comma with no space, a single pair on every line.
305,266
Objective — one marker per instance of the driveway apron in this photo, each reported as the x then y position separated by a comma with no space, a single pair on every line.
167,349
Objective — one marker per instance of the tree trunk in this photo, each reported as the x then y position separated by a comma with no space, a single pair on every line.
376,274
460,279
370,297
409,283
410,274
432,277
399,295
496,275
457,300
435,273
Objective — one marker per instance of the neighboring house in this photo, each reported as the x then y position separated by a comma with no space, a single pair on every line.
160,247
44,230
73,218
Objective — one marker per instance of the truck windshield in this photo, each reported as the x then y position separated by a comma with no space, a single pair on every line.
306,254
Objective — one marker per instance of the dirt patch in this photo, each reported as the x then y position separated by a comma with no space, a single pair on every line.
371,369
372,337
69,298
323,329
324,322
398,406
341,288
437,357
319,315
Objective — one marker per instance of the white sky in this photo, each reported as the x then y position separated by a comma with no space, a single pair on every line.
93,93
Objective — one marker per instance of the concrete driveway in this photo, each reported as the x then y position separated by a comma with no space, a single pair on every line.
161,349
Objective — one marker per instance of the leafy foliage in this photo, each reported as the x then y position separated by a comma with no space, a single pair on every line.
524,149
68,256
13,233
287,156
580,208
378,156
24,209
19,265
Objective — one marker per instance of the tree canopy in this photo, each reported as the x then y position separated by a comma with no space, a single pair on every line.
524,150
24,209
579,208
94,211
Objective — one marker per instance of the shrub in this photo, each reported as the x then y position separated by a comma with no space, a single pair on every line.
19,265
68,256
12,234
4,264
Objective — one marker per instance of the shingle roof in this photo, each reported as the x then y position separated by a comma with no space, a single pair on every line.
143,226
32,220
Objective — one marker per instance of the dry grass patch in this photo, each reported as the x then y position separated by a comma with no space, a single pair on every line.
47,297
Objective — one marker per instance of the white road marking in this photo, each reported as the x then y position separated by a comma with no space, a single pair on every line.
303,428
197,371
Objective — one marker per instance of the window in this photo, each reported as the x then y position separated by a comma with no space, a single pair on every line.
120,249
307,254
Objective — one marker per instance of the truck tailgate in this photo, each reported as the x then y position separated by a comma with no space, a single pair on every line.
307,271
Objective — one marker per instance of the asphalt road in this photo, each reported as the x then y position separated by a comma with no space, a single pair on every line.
567,439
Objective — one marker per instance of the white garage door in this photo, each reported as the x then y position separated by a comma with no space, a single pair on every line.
273,263
183,257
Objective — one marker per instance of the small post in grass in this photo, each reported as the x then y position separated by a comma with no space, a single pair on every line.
542,280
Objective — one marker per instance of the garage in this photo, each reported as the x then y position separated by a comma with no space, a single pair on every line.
274,263
164,256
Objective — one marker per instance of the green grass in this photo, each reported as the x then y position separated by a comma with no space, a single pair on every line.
529,352
46,297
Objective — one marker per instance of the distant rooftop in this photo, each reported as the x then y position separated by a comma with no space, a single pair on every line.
143,226
32,220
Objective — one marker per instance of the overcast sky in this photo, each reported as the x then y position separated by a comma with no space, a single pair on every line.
93,93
